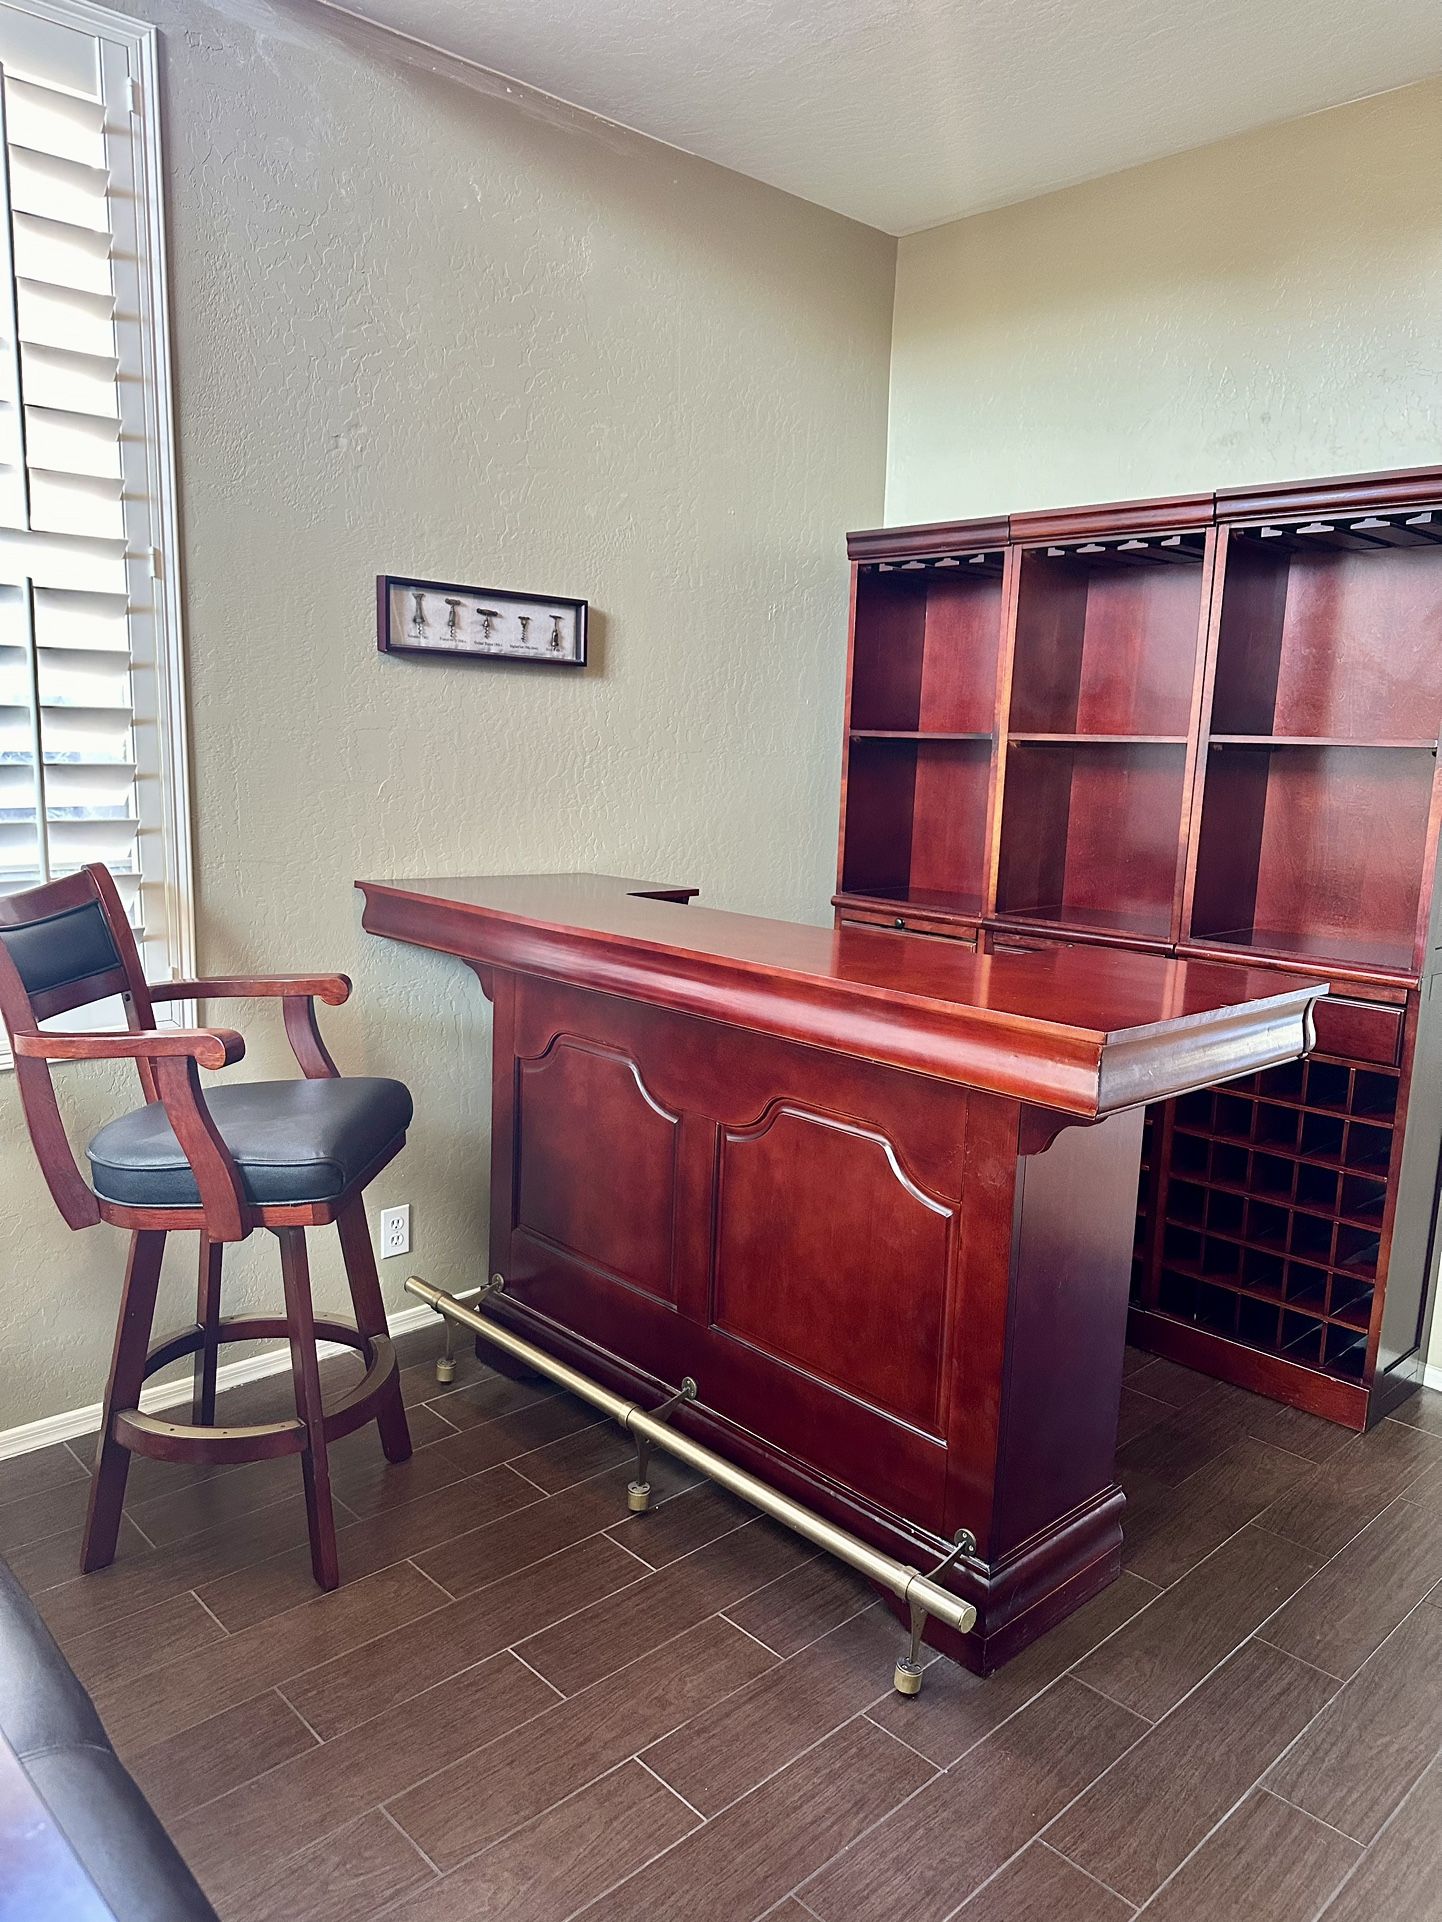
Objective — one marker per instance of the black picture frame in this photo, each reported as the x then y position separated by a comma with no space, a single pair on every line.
452,635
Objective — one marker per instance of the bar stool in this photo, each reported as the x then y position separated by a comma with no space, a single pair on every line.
283,1155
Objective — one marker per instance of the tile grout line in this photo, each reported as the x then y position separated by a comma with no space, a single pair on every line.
1301,1660
641,1762
600,1682
1401,1500
867,1716
1343,1683
1255,1633
517,1657
651,1568
734,1803
281,1686
407,1561
756,1638
390,1907
526,1478
1116,1701
1217,1826
196,1594
1255,1785
795,1890
1051,1849
448,1600
1277,1796
409,1840
1366,1854
591,1535
319,1739
664,1735
561,1698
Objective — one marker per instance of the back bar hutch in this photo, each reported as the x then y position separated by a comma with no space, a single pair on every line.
1206,726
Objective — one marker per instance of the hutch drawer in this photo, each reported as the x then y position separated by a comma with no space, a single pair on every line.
1359,1030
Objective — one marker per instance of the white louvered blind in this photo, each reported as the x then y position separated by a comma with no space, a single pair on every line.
91,721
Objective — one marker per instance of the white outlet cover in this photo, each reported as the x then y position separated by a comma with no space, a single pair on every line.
395,1231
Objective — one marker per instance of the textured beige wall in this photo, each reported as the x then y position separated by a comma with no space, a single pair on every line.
427,324
1260,309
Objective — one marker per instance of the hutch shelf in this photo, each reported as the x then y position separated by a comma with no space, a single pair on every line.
1205,725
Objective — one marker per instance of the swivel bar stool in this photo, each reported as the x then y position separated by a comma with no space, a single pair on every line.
283,1155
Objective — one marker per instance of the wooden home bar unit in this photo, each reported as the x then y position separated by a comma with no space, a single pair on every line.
873,1192
1200,727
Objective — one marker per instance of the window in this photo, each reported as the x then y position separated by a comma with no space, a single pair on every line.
92,731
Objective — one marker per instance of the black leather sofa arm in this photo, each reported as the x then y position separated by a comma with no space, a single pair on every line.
56,1748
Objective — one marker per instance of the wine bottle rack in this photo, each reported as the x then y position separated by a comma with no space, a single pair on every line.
1270,1208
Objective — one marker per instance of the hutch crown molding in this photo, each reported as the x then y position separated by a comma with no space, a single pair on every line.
1205,726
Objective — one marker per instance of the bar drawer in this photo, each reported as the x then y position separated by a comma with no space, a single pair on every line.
1359,1030
997,943
907,924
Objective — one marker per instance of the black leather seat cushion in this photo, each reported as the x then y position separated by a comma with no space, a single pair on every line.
292,1141
50,1723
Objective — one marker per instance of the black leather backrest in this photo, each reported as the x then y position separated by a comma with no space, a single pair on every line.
61,949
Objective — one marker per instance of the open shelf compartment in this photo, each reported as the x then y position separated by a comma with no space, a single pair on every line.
1316,852
1321,640
916,823
1091,836
925,653
1107,639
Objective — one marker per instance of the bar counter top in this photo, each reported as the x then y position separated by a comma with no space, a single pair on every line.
1086,1031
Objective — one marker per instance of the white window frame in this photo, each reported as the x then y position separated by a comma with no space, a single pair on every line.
152,572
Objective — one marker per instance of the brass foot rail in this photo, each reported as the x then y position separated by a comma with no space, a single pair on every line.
922,1595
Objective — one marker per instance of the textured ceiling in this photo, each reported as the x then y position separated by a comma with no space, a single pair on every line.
904,113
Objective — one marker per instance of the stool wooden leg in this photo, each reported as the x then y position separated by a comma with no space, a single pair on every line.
305,1370
207,1315
370,1314
122,1393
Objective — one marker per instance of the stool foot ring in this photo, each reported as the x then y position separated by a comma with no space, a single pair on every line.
174,1441
171,1441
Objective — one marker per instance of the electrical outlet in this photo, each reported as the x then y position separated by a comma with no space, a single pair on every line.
395,1238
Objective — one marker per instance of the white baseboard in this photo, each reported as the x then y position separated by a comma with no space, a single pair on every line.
84,1421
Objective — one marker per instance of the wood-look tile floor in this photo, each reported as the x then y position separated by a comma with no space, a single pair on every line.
522,1704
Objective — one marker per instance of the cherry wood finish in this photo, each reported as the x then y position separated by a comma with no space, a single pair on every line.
1216,733
168,1061
835,1176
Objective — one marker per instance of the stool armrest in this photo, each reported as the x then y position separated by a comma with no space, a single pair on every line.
227,1213
333,989
298,994
175,1056
211,1047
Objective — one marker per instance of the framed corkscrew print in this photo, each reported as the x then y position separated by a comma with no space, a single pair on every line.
478,623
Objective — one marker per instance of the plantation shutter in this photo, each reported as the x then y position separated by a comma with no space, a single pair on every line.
90,714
